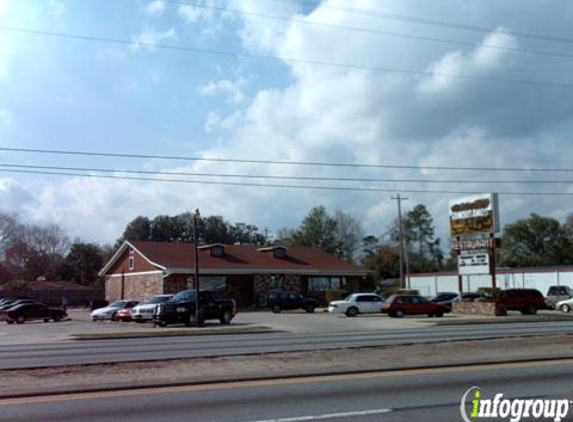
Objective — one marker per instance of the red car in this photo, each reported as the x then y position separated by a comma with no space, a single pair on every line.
400,305
122,315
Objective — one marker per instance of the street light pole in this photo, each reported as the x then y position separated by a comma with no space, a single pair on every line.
196,250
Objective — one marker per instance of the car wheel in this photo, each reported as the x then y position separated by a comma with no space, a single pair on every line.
226,318
531,309
21,319
9,321
439,314
351,312
57,319
46,319
398,313
431,315
276,309
160,324
309,309
565,308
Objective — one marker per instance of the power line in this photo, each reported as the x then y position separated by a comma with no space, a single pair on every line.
261,185
285,177
372,31
294,163
428,21
250,56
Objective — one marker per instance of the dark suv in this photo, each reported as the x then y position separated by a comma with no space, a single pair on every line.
278,300
528,301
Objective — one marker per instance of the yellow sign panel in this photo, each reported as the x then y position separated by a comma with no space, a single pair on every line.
474,215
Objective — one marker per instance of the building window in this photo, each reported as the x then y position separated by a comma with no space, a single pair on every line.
277,283
213,284
323,284
131,263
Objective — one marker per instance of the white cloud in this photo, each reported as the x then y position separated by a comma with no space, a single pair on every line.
151,37
57,7
234,89
190,13
352,115
206,17
155,8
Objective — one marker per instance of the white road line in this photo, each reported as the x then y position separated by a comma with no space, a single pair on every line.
328,416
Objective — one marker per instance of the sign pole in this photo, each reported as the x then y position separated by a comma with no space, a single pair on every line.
460,282
493,265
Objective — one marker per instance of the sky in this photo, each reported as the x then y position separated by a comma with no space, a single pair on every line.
450,83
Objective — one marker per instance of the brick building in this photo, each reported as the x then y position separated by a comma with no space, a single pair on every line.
139,270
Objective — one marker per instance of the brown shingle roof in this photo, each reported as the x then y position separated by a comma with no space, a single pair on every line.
236,257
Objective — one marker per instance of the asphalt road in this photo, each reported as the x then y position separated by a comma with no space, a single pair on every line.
126,350
421,395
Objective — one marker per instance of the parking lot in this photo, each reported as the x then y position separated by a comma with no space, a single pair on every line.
300,322
292,321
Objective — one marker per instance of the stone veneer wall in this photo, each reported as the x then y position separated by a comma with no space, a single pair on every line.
479,308
137,287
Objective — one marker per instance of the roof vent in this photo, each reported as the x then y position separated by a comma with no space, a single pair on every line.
216,249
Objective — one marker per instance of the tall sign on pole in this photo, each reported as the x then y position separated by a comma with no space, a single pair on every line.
474,222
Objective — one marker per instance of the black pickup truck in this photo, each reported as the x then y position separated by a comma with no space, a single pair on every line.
181,309
278,300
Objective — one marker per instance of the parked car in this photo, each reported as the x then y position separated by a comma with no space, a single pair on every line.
144,310
400,305
278,300
181,309
33,311
122,315
527,301
16,302
448,298
357,303
564,305
109,311
557,294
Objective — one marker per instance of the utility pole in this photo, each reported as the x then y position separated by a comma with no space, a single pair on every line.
403,258
196,250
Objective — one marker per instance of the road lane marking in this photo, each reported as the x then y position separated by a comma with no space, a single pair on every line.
329,416
56,398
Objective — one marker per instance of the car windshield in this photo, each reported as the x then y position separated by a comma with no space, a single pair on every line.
157,299
185,296
119,304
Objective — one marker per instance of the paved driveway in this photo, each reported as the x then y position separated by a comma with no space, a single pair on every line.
292,321
324,322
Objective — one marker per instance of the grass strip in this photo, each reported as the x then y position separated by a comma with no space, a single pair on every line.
172,332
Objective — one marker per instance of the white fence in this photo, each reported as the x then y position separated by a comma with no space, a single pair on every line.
542,279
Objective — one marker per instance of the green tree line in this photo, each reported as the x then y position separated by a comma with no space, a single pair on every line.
29,251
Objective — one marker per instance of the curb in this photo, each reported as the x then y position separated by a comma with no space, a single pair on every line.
148,386
179,333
